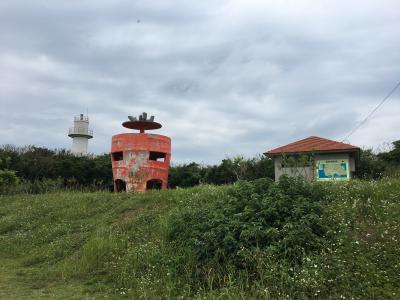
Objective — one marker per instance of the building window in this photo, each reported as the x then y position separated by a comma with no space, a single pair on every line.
117,156
157,156
154,184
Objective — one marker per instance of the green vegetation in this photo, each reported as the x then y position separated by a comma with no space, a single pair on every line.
8,181
229,170
282,222
250,240
382,164
42,170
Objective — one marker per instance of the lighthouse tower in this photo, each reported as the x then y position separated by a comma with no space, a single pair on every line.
140,161
80,135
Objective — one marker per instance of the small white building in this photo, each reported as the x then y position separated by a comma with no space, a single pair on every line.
315,158
80,134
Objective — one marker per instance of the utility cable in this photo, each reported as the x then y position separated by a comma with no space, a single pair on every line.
372,112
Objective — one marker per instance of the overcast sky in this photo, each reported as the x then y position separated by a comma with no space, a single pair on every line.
223,77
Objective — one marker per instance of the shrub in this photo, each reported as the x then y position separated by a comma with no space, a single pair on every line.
8,180
280,221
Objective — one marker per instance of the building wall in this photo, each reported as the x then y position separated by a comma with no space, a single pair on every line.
134,167
81,126
79,145
309,173
80,134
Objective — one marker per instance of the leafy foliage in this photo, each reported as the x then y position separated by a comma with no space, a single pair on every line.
392,156
186,175
74,245
228,171
8,180
38,167
375,166
283,221
370,166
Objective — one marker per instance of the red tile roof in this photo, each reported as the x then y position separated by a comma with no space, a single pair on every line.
313,144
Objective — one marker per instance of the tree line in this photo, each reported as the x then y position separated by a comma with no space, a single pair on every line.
35,165
228,171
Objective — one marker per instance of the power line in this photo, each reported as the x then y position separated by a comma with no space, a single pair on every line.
372,112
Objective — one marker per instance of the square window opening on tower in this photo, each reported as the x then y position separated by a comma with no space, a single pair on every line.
118,156
157,156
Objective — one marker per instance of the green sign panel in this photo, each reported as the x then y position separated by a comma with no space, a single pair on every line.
332,169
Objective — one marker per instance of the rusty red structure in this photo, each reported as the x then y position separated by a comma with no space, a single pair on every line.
140,161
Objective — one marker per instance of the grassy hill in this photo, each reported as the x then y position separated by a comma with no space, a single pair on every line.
251,240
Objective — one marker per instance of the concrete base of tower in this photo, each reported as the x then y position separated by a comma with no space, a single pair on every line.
79,145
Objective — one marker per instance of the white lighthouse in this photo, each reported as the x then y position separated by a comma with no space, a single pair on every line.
80,135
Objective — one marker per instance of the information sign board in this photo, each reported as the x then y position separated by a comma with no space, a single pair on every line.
332,169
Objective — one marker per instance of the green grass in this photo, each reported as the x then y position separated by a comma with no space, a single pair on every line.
74,245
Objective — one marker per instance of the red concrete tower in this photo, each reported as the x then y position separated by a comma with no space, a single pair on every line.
140,161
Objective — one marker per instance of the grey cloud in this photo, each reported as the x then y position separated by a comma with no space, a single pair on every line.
224,77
